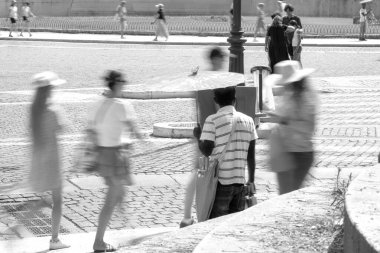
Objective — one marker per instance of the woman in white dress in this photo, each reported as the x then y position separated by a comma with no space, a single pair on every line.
46,123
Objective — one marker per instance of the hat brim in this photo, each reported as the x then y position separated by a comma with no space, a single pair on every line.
365,1
57,82
43,83
276,79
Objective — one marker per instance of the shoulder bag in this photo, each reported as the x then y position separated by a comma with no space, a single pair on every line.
207,181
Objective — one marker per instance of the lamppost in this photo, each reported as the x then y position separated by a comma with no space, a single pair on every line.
236,41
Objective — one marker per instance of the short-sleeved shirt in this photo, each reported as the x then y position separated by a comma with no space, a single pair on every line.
121,12
26,12
217,128
362,14
13,12
297,37
110,122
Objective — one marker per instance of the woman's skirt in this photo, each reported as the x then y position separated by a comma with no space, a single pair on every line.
162,29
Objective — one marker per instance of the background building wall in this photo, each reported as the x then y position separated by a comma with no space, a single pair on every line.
316,8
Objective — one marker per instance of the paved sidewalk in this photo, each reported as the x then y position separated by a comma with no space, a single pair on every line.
179,40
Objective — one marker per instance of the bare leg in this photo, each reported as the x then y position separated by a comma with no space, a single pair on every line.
114,196
189,195
122,27
28,27
57,212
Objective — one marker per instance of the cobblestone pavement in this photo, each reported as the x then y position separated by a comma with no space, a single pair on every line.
348,135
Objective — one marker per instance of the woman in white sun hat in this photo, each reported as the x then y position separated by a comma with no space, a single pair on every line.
297,120
45,123
160,21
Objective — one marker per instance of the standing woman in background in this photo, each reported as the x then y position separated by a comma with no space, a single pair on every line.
13,16
46,123
275,43
26,15
121,15
162,28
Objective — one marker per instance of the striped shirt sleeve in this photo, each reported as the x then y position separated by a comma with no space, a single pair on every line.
208,132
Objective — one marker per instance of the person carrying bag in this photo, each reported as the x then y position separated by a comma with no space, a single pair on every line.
228,138
207,181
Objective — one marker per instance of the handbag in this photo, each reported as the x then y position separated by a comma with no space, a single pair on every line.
207,181
279,159
87,159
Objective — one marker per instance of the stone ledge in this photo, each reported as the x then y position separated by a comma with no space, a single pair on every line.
362,213
288,223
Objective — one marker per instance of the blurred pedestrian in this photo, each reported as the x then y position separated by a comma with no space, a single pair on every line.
260,26
216,57
297,42
27,14
13,17
108,120
46,122
275,43
121,15
281,8
363,20
161,25
232,135
297,120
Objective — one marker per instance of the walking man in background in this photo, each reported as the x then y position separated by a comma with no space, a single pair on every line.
26,15
240,150
363,20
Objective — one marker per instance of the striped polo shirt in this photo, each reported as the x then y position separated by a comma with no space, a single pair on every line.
217,128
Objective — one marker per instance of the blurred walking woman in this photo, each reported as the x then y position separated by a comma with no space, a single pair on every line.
275,43
297,121
121,15
13,17
162,28
46,123
111,116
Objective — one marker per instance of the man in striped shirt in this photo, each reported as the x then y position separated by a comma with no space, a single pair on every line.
229,196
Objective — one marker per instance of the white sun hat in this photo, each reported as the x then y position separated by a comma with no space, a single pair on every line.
287,72
47,78
159,5
365,1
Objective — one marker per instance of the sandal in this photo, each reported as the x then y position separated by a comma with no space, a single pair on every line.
186,223
109,248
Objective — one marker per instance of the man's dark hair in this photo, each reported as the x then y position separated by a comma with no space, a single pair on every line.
288,7
225,96
112,77
275,14
293,23
216,52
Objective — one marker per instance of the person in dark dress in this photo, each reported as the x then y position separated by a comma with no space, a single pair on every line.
275,43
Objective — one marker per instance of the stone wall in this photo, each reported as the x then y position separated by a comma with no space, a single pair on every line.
362,213
317,8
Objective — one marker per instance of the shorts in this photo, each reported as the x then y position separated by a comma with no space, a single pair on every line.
25,19
13,20
113,162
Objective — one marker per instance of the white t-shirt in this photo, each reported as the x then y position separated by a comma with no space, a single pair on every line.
297,37
13,12
111,120
26,12
362,14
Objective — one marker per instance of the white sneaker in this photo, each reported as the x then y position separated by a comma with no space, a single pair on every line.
57,244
